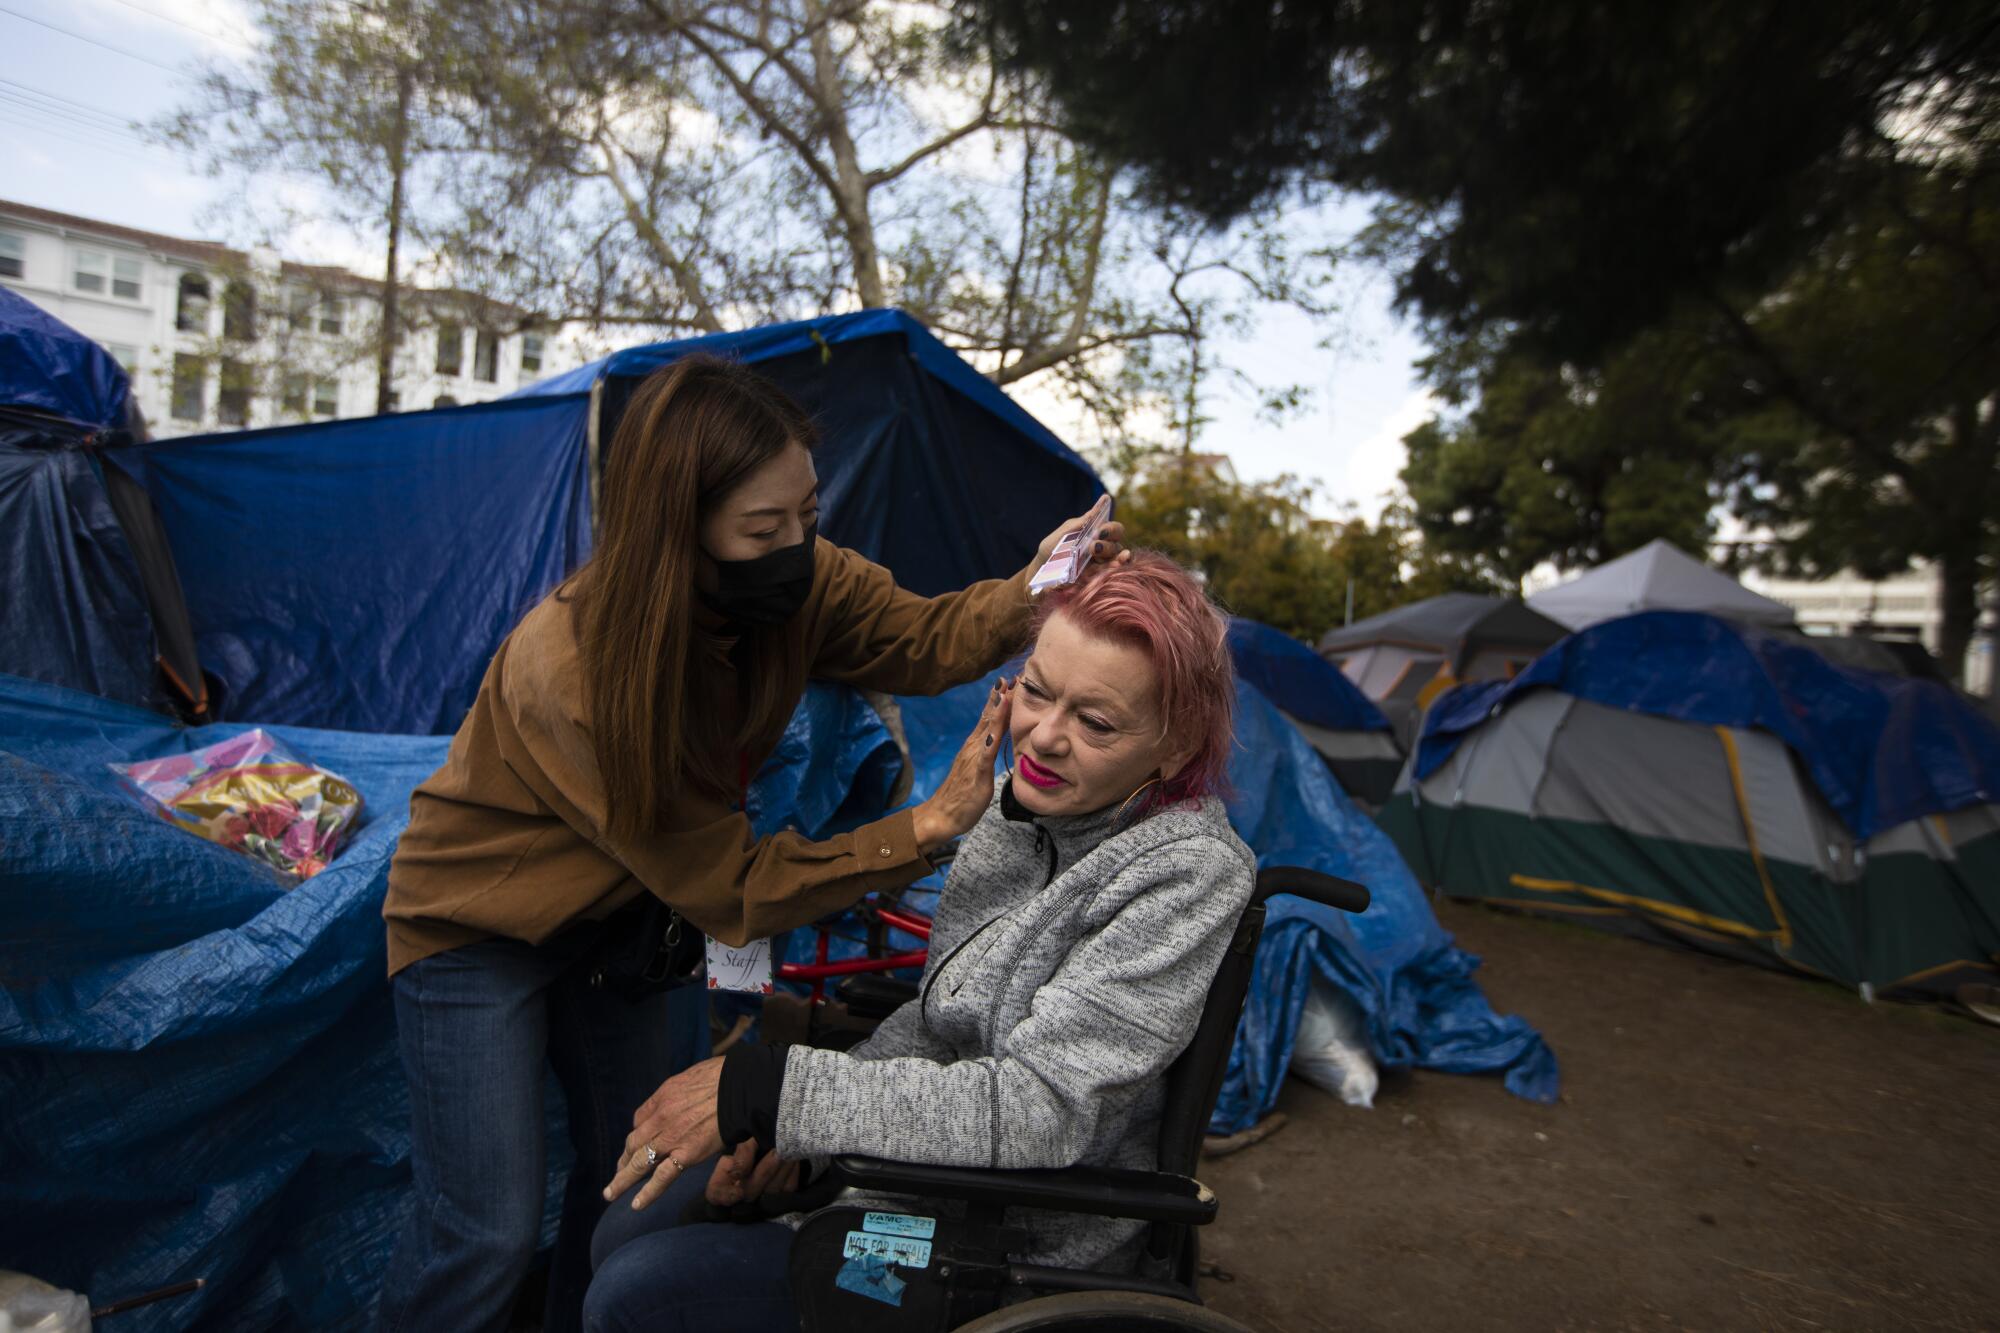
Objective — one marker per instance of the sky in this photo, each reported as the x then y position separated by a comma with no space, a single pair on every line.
68,98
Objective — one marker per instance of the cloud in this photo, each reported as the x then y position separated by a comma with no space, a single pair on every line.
179,190
1374,465
214,27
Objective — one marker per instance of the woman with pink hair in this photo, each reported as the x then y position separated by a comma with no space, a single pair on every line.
1083,919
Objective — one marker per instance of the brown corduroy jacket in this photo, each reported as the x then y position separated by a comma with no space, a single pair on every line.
509,837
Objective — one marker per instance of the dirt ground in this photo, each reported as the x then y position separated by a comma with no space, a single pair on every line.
1734,1149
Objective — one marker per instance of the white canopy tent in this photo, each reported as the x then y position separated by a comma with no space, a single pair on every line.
1659,576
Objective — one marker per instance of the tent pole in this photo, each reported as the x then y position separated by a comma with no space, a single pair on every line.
593,459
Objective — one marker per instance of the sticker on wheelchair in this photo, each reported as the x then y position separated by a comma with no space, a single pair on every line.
906,1251
871,1277
899,1224
747,968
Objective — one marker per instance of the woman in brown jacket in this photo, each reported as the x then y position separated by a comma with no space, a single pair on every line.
607,757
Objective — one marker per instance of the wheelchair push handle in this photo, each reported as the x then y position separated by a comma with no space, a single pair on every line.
1312,885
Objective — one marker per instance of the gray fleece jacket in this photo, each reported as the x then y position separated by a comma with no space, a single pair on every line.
1068,967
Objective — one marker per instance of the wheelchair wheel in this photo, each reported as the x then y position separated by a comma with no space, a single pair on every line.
1103,1312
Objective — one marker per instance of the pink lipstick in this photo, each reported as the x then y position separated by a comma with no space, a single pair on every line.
1037,775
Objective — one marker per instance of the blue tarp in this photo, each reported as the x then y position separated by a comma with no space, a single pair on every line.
50,367
198,1074
359,574
75,610
1882,749
1299,680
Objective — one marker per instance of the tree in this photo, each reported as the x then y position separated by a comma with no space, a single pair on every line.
1265,555
349,94
1852,411
1567,465
1566,167
711,164
1869,402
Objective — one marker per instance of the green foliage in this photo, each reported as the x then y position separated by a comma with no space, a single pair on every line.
1266,556
1852,410
1570,168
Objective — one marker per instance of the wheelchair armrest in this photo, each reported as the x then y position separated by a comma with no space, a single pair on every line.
1148,1196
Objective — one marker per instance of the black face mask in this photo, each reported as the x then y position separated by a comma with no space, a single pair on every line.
766,591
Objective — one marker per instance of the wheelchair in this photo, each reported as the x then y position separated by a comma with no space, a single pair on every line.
952,1272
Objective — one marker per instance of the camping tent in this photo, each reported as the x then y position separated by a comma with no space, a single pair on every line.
359,574
1340,722
1405,657
94,603
1679,773
1658,576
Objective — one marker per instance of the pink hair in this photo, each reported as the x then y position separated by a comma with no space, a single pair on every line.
1153,603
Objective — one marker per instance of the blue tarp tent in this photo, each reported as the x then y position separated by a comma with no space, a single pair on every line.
359,574
1341,723
92,601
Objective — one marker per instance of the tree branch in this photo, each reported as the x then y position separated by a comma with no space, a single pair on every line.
762,109
883,175
685,277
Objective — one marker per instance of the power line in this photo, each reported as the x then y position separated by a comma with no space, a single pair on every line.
7,116
169,18
81,132
92,41
75,133
68,106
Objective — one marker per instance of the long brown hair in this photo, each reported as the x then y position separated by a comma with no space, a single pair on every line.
693,431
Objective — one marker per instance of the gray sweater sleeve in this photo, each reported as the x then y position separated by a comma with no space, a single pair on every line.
1122,1006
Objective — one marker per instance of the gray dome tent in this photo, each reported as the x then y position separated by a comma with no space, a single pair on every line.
1460,636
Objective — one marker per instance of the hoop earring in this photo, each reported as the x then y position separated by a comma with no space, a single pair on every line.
1149,782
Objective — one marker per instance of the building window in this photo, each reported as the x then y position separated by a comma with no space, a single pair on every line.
486,357
332,315
445,400
190,387
126,276
299,307
89,272
531,353
451,349
395,401
13,255
125,355
239,312
326,398
292,399
232,404
191,304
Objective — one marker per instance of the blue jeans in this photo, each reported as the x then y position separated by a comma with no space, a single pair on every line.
479,1027
656,1273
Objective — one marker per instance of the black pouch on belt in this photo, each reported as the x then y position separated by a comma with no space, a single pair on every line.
643,949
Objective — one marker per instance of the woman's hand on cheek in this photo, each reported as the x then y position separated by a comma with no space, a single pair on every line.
679,1123
967,789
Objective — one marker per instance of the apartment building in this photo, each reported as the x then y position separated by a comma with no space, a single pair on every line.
217,338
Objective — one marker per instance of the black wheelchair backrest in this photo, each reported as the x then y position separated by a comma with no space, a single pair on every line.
1195,1079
